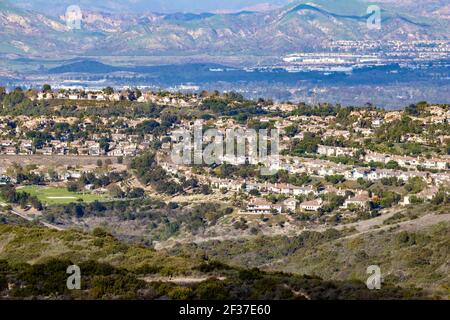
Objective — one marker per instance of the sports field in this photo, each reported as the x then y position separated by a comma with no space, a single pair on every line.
50,195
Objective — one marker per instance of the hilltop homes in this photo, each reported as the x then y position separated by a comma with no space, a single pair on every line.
360,200
313,205
335,151
262,206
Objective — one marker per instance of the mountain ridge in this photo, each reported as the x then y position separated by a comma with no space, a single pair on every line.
301,25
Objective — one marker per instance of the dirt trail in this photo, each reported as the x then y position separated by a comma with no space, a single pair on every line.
179,280
411,225
29,218
361,227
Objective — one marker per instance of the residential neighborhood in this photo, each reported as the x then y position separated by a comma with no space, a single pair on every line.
329,155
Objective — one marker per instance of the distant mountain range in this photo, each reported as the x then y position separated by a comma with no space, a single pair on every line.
57,7
162,6
300,25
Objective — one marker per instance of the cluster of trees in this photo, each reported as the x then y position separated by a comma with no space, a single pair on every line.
320,110
29,178
24,199
442,197
334,202
292,131
39,138
14,98
392,181
162,220
385,198
417,110
98,181
226,170
150,173
394,131
25,175
347,160
117,192
154,127
283,176
232,105
309,144
415,185
335,179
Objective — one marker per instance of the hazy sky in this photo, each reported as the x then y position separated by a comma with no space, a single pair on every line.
206,5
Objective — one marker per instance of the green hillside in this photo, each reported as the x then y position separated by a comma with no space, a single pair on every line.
406,258
34,260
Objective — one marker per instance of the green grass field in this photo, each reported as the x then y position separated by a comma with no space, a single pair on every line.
49,195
